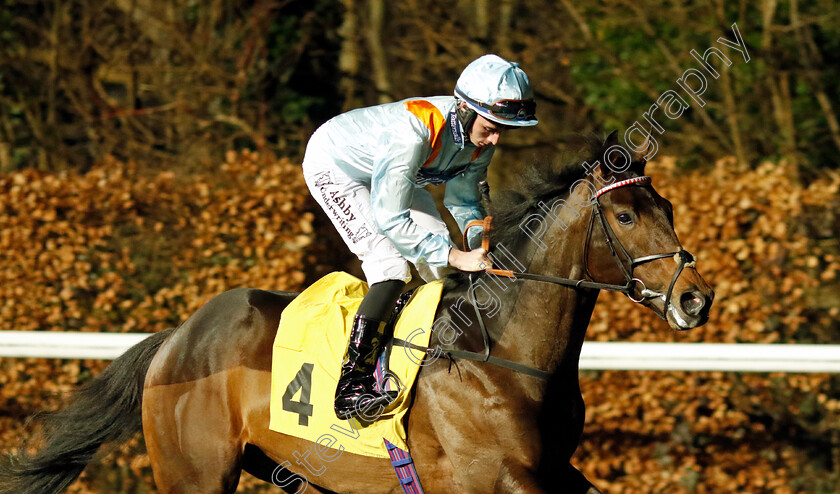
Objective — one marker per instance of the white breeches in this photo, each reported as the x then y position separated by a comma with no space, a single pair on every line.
347,204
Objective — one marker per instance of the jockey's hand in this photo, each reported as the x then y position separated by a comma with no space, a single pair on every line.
474,260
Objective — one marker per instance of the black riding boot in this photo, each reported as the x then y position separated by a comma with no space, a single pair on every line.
355,393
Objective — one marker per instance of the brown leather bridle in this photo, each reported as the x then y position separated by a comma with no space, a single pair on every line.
623,258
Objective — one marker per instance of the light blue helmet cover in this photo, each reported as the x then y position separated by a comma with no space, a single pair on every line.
491,78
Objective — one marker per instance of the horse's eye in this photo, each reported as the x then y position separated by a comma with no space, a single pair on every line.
624,219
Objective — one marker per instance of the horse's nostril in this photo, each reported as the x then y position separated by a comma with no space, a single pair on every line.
692,303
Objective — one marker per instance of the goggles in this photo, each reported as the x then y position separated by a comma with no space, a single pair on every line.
507,109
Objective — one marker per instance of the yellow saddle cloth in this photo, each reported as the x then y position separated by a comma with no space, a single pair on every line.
306,362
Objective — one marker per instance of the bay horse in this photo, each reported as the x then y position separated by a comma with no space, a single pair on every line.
200,392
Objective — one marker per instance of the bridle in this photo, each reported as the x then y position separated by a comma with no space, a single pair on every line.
619,253
621,256
682,257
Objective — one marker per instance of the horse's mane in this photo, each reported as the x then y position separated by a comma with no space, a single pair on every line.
539,181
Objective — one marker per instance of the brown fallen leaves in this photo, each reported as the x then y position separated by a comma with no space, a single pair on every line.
118,250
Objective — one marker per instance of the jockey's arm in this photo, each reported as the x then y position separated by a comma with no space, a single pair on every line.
463,199
399,155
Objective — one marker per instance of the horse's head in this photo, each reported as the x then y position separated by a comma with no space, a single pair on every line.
631,237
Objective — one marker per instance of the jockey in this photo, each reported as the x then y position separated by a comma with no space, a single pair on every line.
367,168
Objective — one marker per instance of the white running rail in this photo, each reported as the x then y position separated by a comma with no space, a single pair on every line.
67,344
740,357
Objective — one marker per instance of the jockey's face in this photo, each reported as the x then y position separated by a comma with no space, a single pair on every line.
485,132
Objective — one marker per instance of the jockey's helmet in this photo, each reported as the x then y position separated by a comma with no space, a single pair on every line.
498,90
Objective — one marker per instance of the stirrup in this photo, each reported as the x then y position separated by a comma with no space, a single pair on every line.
367,406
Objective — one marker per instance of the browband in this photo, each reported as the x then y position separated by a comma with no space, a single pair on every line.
629,181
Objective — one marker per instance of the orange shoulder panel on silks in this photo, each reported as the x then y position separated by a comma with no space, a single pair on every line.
476,154
432,119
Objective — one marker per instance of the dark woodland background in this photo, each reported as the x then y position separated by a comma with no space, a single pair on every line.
149,159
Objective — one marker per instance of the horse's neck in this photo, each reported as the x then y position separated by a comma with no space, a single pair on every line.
545,323
530,322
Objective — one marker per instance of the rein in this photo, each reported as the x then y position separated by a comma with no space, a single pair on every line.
479,357
683,257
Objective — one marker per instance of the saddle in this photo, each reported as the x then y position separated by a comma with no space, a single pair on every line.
306,362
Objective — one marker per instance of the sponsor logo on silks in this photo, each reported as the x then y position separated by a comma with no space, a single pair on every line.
343,206
343,218
323,178
455,127
362,233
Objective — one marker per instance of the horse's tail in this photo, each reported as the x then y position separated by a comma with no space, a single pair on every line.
106,409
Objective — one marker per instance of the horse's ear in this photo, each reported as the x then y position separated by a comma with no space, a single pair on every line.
611,140
638,163
639,167
639,155
614,158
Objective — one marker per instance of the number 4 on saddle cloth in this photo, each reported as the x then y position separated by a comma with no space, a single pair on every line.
306,363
